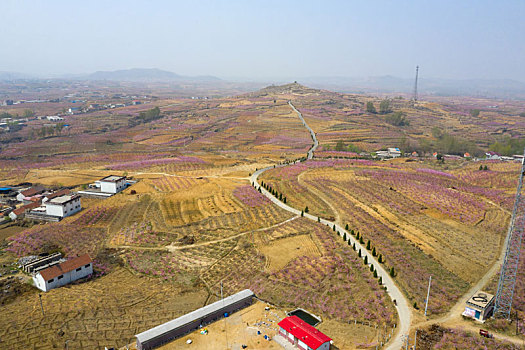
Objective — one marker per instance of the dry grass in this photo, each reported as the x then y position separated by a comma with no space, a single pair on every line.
105,312
280,252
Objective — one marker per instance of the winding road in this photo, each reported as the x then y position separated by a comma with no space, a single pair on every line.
403,309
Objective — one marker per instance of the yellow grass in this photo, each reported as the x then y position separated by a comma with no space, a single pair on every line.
280,252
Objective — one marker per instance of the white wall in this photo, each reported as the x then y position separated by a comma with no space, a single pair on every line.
109,187
112,187
54,209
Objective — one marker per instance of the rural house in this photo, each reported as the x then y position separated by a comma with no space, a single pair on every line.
63,273
63,206
19,212
394,152
302,335
30,192
112,184
59,193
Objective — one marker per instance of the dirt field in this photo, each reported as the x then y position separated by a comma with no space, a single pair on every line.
282,251
105,312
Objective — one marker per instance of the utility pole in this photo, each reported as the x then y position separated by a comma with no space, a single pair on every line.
41,305
415,340
428,295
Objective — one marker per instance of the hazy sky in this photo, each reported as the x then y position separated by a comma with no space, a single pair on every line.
266,39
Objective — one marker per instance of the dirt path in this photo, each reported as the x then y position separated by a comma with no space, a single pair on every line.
403,309
172,248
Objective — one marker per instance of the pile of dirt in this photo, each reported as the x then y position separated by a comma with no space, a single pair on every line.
427,338
12,287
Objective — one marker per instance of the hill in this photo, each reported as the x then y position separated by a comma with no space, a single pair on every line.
144,74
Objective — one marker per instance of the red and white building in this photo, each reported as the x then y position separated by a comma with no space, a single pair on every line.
63,273
302,335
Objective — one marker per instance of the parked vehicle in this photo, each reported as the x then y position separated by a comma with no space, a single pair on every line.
485,334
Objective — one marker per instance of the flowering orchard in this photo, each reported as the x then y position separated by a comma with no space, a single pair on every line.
73,240
336,284
250,197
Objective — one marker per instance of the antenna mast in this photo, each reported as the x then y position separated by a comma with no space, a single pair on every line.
415,84
507,277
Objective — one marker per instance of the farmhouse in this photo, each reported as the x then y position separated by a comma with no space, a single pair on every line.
52,195
168,331
63,206
479,306
394,152
54,118
19,212
492,155
63,273
302,335
29,192
112,184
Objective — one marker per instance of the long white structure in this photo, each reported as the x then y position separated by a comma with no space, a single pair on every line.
168,331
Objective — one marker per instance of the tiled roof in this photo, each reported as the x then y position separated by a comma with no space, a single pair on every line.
304,332
32,191
26,207
70,265
59,193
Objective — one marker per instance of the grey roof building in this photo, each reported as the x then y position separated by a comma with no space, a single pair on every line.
173,329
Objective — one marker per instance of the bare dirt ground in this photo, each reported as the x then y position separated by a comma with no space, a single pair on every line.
242,328
107,311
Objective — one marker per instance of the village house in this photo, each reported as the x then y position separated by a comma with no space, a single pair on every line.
55,194
302,335
54,118
492,155
394,152
112,184
30,192
63,206
63,273
18,213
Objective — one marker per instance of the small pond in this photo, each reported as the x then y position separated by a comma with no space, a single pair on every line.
305,316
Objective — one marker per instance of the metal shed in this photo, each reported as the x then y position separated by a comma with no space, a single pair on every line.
173,329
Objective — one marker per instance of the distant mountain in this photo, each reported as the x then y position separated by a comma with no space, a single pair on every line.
431,86
15,76
144,74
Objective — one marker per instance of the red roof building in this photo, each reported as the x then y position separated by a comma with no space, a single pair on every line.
302,335
63,273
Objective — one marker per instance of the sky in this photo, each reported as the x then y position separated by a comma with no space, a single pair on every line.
266,39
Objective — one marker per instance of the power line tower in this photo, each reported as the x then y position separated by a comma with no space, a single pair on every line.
415,84
507,278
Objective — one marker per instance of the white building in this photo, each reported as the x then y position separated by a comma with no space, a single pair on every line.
63,206
394,152
54,118
64,273
112,184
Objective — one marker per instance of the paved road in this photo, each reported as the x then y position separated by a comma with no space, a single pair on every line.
403,309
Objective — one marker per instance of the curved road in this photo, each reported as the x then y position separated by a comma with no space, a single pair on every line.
403,310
